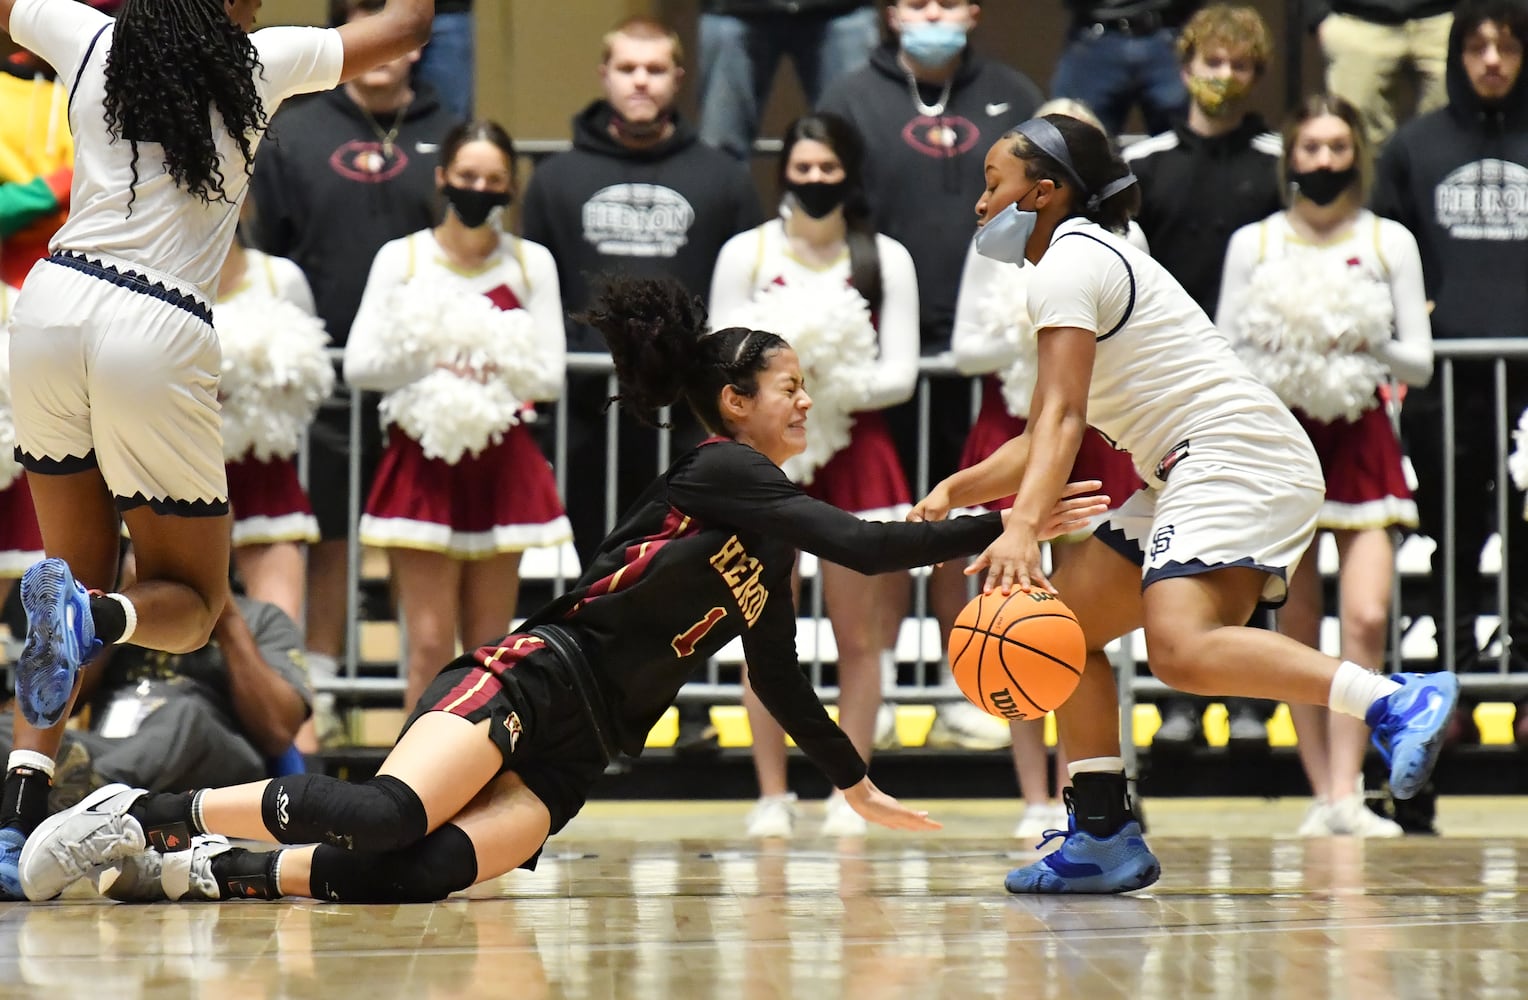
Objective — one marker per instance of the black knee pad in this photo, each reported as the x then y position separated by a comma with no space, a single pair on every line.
440,864
380,814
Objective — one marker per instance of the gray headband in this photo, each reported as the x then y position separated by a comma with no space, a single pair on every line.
1047,138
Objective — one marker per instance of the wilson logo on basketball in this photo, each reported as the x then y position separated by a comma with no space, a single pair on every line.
1004,705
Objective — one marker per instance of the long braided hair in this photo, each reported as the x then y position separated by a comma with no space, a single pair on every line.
657,335
171,63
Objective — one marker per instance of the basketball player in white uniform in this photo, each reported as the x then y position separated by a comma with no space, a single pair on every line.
114,357
1232,493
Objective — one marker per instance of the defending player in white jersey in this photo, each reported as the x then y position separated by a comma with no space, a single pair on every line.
1232,493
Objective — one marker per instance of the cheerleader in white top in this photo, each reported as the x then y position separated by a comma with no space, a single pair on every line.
275,373
20,540
846,298
1325,302
461,328
1233,489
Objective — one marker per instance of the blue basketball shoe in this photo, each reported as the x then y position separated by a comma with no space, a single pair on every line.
60,638
1408,727
1088,864
11,841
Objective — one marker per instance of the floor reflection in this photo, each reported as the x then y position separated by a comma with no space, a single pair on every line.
884,918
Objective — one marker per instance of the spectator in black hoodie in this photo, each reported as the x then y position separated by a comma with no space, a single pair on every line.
341,174
1458,179
641,195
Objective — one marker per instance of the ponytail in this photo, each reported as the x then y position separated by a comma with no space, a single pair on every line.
656,332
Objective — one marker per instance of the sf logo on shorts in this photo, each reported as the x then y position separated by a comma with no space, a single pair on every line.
515,730
1161,539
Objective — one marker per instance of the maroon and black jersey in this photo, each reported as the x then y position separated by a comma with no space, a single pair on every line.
705,555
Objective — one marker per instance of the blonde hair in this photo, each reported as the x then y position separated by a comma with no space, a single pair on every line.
645,28
1236,27
1072,108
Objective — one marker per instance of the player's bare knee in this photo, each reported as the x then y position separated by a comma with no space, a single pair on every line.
1364,626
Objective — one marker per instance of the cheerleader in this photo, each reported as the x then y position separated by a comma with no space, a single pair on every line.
20,539
272,519
1356,267
824,242
462,489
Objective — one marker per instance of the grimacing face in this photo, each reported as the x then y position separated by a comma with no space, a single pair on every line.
773,419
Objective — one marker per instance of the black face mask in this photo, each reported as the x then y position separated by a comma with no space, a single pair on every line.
474,207
1324,186
818,198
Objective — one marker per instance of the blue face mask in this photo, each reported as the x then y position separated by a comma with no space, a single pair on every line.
1007,234
933,43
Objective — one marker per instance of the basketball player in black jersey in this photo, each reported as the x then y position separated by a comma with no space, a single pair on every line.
505,744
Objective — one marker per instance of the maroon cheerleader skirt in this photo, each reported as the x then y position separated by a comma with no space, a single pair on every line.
1096,457
502,500
865,477
269,504
20,538
1365,479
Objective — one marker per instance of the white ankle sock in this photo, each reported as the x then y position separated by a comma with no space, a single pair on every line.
32,759
1096,765
1354,689
130,613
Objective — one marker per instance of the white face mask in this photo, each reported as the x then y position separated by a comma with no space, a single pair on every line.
1006,236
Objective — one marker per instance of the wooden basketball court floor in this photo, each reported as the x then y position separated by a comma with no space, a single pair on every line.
666,901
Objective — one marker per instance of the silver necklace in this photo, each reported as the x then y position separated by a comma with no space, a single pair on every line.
929,110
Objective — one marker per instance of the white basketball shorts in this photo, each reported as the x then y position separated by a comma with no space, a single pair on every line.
1224,503
116,367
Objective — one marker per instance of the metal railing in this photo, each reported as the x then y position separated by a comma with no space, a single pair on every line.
717,683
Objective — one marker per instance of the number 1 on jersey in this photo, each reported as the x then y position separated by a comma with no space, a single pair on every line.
684,643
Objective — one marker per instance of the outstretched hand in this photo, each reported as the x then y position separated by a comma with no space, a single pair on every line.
934,507
1080,502
883,810
1013,561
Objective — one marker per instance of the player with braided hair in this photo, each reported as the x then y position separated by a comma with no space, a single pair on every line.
113,354
507,741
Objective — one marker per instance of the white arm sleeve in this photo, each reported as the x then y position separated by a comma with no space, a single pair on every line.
732,278
896,370
544,303
1410,354
368,363
976,351
60,31
296,61
1235,277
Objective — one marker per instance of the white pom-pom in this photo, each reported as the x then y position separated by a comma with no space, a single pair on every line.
1307,328
488,361
829,328
275,374
1002,314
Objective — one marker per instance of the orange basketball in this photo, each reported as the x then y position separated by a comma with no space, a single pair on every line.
1017,656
